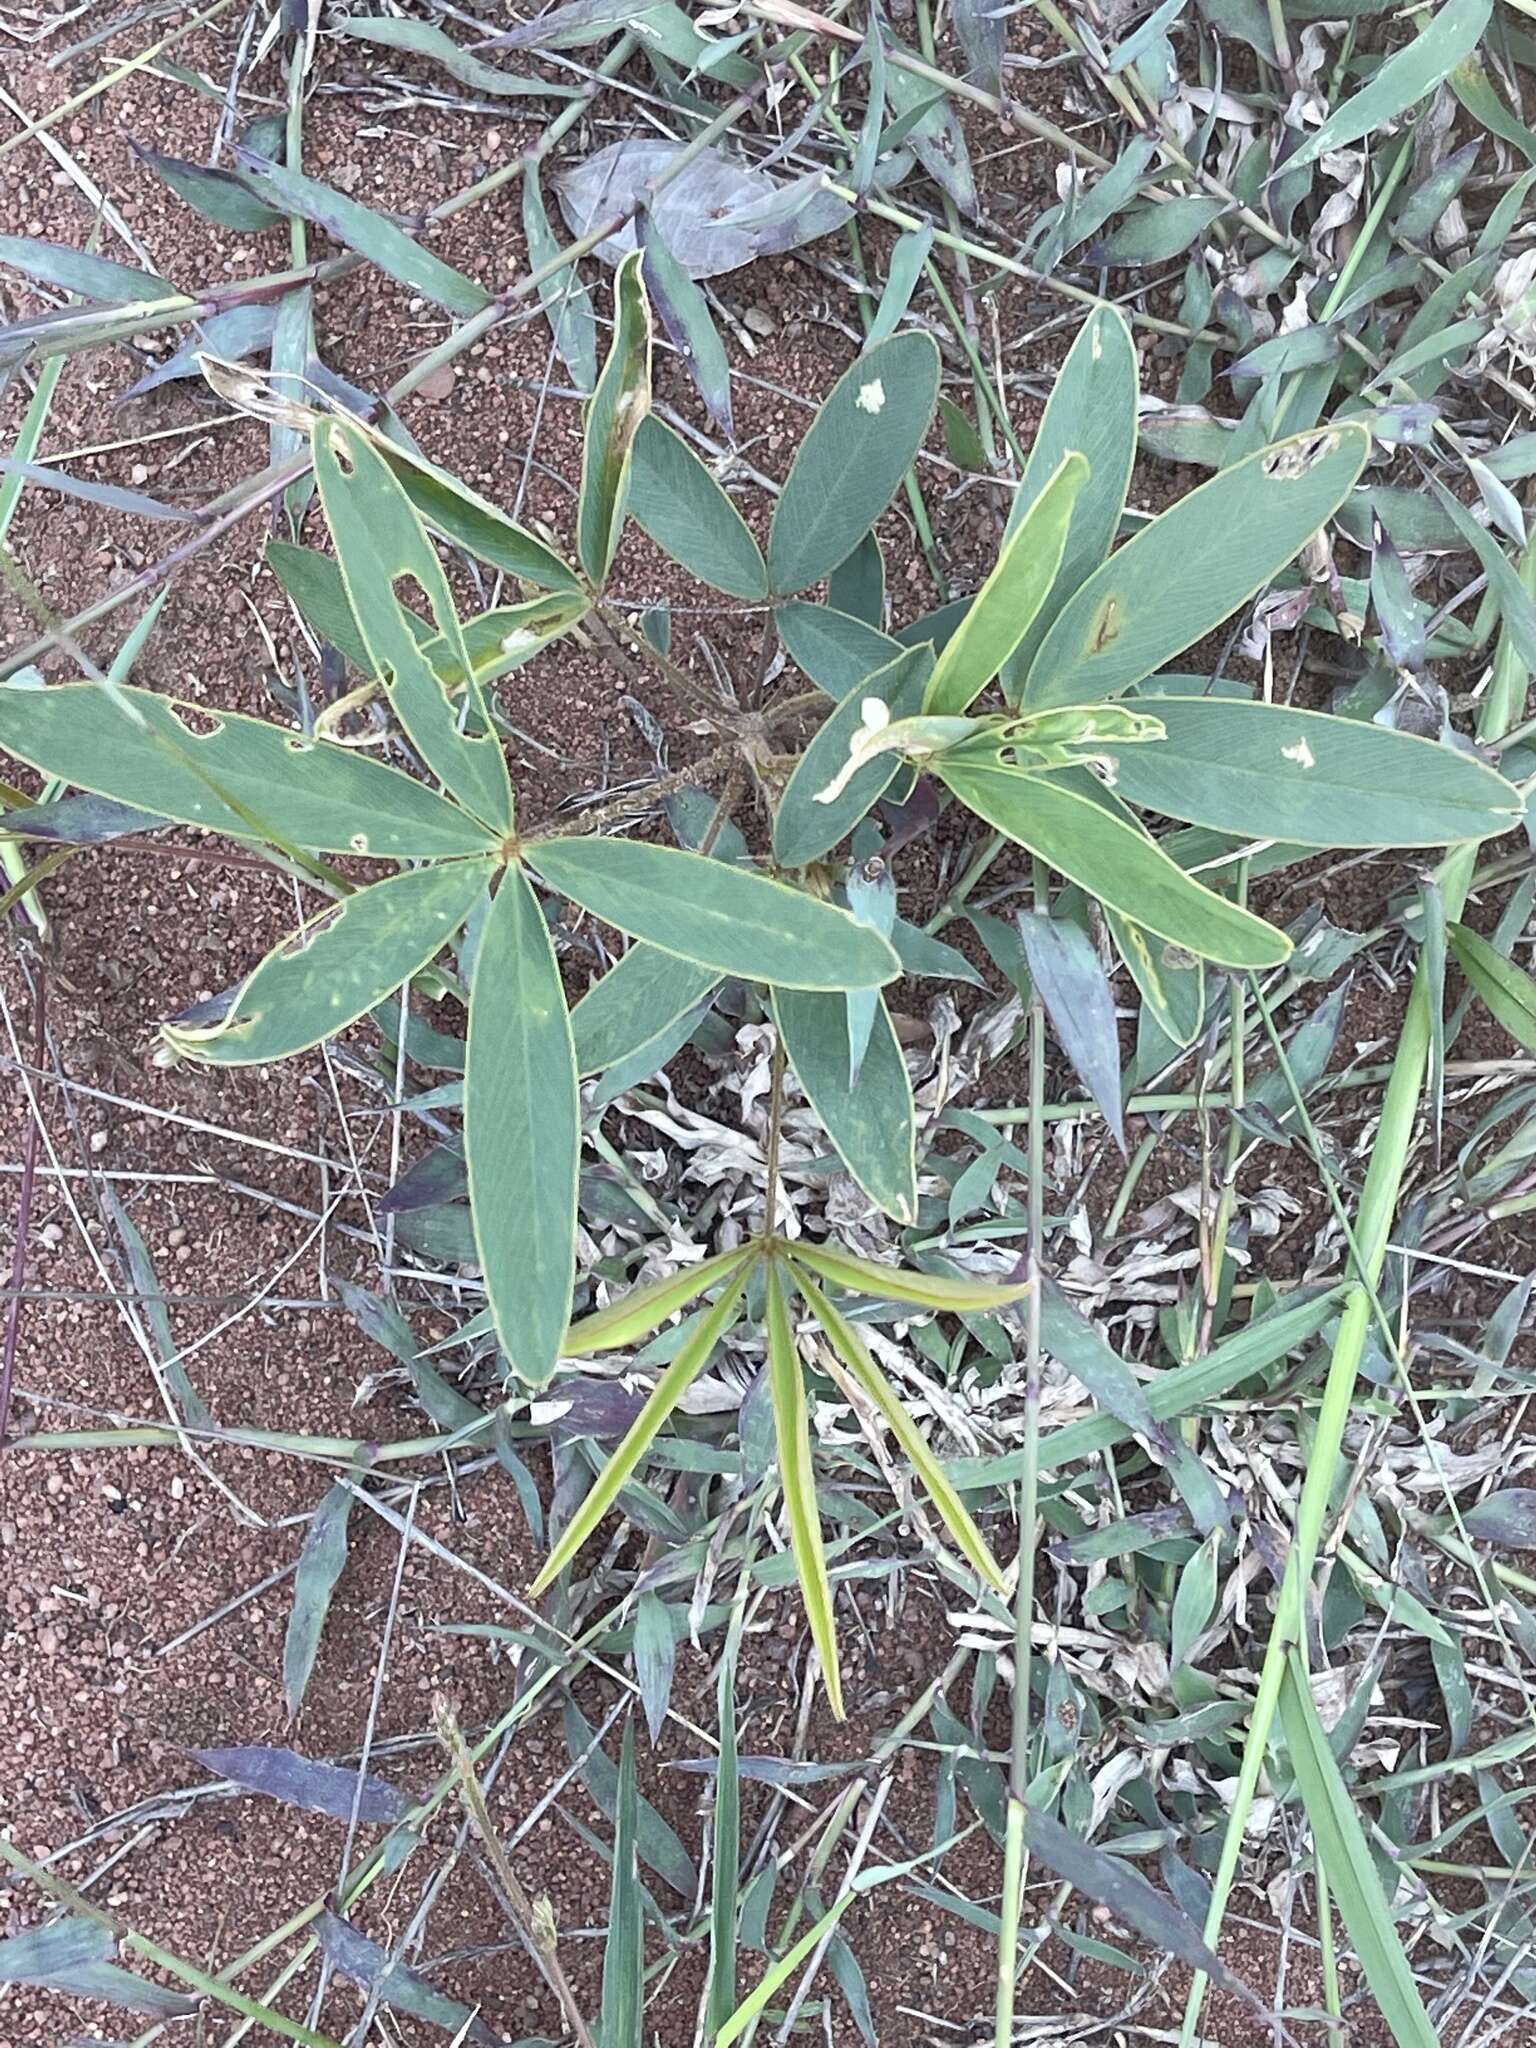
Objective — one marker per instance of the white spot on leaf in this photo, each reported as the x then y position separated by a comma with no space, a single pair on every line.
871,396
1301,754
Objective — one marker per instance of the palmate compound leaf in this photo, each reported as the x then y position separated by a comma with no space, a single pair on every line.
380,543
1266,771
850,1347
673,1382
613,416
869,1118
338,966
1007,604
858,448
797,1477
329,798
1193,566
722,917
1075,827
522,1130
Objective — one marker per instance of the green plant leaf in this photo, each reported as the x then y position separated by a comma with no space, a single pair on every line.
643,992
870,1120
726,1862
939,1291
462,516
797,1476
321,1563
1506,991
217,195
1156,234
618,405
655,1654
315,585
679,504
1401,80
757,1999
850,1347
857,585
421,39
1092,408
722,917
1172,982
1266,771
75,1956
1345,1857
1069,979
522,1130
380,543
324,976
834,650
804,828
1193,566
312,793
566,299
684,312
624,1949
640,1312
859,447
1071,826
674,1381
1008,602
76,270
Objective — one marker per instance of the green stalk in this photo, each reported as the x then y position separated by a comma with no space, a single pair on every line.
1015,1868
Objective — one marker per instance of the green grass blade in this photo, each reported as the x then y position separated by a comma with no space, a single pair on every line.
641,1311
618,405
522,1130
725,1892
797,1476
1344,1856
623,2005
940,1291
1508,993
757,2000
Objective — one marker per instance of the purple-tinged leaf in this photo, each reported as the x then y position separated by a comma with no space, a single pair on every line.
684,313
300,1781
354,1956
242,331
1506,1518
80,820
218,195
1075,990
110,496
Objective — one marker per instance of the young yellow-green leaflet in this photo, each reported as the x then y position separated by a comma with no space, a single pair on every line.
1071,736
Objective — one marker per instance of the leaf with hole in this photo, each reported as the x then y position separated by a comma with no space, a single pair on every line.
722,917
173,758
806,825
381,544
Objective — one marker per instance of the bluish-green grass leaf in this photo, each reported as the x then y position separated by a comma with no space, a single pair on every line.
679,504
566,299
321,1563
381,545
1267,771
1193,566
1074,831
421,39
1092,408
624,1949
312,793
522,1130
684,312
76,270
804,828
1008,603
722,917
1070,980
338,966
1508,992
858,448
218,195
870,1120
619,403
